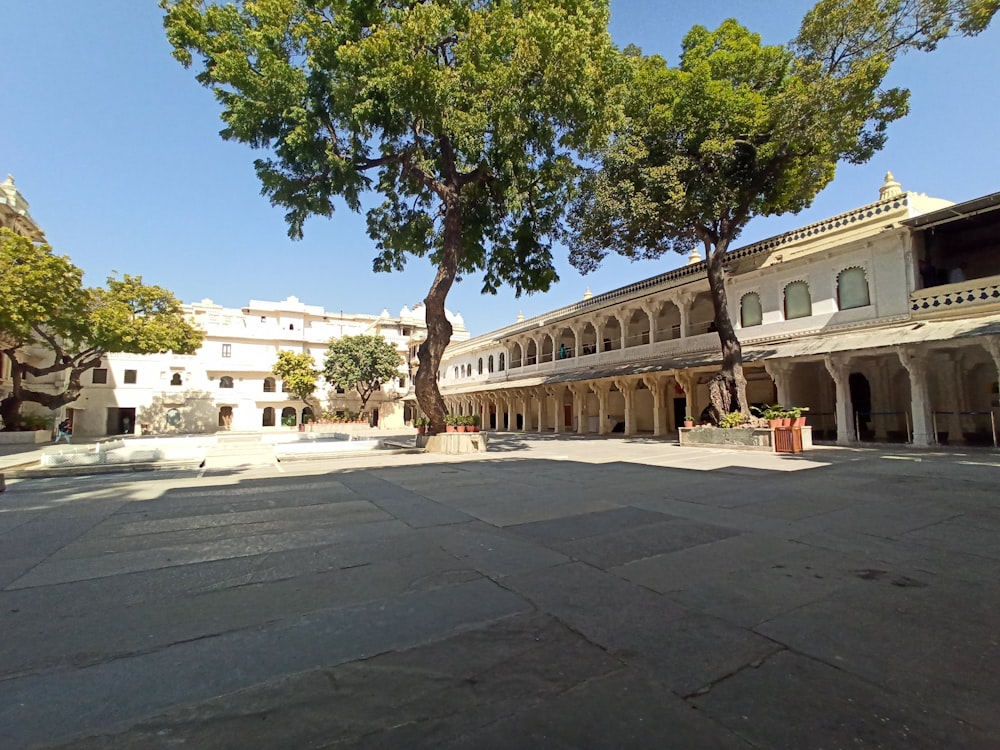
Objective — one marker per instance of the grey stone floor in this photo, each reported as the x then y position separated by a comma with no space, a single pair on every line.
556,593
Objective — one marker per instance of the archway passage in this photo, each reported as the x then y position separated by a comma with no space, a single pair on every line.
861,399
288,417
225,417
268,418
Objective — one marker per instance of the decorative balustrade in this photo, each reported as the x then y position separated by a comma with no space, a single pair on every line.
960,296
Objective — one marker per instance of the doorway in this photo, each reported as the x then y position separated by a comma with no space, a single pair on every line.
120,421
861,400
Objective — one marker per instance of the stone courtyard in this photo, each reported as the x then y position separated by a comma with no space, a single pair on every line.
556,592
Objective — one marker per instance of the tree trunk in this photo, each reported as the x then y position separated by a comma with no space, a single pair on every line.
732,352
438,326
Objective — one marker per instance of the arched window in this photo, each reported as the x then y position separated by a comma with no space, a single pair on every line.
501,361
268,419
490,363
176,379
456,373
288,417
225,382
852,289
284,387
268,385
307,415
751,313
798,303
480,365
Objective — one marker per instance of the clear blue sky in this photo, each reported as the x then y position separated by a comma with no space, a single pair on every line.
116,147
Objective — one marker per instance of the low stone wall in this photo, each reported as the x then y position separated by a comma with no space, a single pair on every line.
454,442
754,439
27,436
317,448
120,452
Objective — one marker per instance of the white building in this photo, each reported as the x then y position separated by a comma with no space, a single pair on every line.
228,383
884,321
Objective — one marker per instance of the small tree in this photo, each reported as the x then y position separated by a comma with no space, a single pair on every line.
464,115
362,364
299,375
739,130
45,311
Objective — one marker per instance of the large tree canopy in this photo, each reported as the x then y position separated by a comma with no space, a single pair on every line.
740,129
464,115
47,314
362,364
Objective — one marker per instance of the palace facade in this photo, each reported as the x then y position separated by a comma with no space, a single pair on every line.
884,321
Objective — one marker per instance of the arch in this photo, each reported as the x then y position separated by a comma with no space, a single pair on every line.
285,388
480,365
456,373
501,363
490,363
269,386
268,417
612,335
530,354
288,417
226,381
548,349
565,343
588,339
852,288
668,321
702,315
175,379
516,355
307,415
798,302
751,312
636,328
225,417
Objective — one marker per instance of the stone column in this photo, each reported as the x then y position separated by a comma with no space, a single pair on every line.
601,389
539,410
623,319
579,392
556,394
577,340
650,309
954,397
840,372
920,403
779,371
684,300
656,384
627,387
523,402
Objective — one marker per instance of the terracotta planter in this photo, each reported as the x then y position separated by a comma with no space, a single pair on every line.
460,428
688,423
449,428
786,422
421,430
799,422
772,423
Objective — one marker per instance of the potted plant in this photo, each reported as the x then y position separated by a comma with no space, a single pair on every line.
798,418
773,414
475,422
450,422
421,424
460,423
689,421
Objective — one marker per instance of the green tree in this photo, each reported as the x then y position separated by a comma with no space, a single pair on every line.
362,364
298,373
46,313
466,116
740,129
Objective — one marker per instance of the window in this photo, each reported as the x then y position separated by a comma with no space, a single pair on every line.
268,418
751,313
798,303
284,387
338,389
456,373
852,289
490,363
402,382
175,379
225,382
130,377
99,376
291,326
227,350
501,361
406,331
480,365
268,385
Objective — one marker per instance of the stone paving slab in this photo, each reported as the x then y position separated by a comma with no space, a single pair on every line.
560,592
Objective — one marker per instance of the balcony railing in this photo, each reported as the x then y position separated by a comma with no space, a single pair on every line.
951,299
